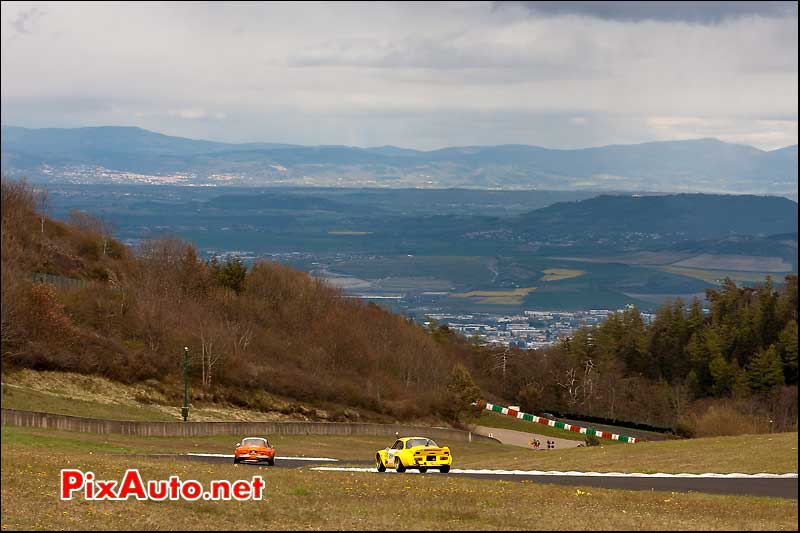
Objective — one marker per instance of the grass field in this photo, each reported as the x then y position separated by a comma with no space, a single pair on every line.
749,454
738,263
68,393
303,499
494,420
776,453
557,274
115,401
716,276
499,297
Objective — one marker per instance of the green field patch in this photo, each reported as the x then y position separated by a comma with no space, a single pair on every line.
461,271
557,274
499,297
62,440
571,299
736,263
718,276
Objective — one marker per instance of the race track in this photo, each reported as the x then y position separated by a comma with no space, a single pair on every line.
280,462
772,485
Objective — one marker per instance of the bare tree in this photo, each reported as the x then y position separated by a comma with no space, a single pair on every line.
241,334
93,224
501,362
10,335
212,351
589,371
569,382
42,205
679,398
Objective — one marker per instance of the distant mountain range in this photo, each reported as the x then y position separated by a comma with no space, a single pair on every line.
127,154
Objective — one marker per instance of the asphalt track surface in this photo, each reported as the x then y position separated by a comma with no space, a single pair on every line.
279,462
742,486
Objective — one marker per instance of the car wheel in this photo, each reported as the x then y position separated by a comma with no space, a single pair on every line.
399,466
271,462
444,469
423,469
236,460
379,464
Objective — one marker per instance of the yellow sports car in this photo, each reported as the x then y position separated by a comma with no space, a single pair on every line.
414,452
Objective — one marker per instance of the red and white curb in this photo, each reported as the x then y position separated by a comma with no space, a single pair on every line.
555,424
570,473
278,458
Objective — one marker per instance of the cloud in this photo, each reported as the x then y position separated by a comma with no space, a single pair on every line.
681,11
422,76
27,20
768,134
188,113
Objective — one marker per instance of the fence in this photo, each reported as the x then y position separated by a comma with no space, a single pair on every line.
61,282
32,419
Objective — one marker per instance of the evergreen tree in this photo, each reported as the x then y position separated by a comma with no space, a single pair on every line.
230,274
461,393
767,324
696,318
765,371
633,345
787,349
723,375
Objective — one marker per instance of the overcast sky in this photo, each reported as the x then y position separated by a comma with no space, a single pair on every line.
561,75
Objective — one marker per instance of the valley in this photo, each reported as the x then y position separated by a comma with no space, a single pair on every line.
486,256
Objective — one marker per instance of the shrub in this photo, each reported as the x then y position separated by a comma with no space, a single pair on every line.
685,427
725,417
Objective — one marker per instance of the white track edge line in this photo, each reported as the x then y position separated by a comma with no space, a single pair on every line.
734,475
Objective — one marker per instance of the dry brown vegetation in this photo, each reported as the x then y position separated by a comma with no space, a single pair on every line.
302,499
270,329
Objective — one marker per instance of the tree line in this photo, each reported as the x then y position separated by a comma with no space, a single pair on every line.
741,352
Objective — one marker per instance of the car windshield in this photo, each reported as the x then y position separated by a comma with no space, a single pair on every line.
255,442
410,443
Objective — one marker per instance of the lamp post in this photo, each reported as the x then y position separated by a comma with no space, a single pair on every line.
185,409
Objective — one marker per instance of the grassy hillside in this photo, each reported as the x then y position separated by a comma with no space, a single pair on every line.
68,393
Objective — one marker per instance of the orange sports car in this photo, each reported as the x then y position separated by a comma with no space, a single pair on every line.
254,449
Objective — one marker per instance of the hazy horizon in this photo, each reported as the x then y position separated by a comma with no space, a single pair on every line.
422,76
278,141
